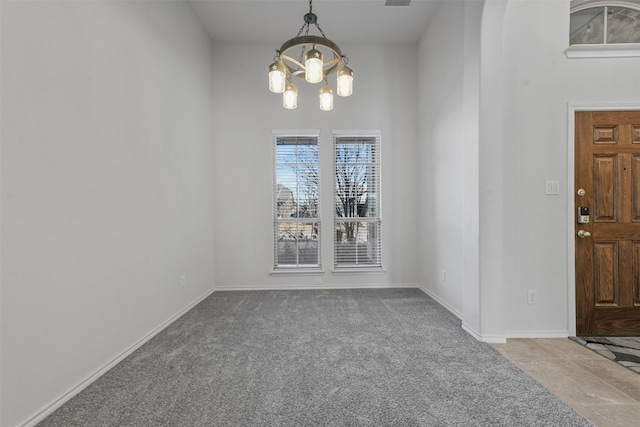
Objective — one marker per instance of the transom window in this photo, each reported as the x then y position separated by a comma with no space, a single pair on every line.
598,23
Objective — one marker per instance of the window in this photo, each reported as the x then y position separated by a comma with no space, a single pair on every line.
357,201
605,25
296,202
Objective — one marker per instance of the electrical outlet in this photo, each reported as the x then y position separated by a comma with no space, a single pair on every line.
532,297
317,281
443,276
183,281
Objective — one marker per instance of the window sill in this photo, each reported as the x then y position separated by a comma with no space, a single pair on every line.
297,271
358,270
622,50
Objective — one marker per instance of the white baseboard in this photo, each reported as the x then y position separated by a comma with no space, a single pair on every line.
537,334
48,409
501,339
495,339
313,287
491,339
441,302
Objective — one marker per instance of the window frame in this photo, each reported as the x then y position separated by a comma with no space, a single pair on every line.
366,267
298,268
603,50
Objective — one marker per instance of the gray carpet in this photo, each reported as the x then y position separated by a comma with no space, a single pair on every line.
367,357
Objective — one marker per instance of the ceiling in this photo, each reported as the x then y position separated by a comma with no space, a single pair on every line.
343,21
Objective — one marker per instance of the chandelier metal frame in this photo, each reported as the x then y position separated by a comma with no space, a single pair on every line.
286,65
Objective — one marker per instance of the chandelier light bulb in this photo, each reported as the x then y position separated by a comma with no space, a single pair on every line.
313,66
345,81
326,98
290,97
277,77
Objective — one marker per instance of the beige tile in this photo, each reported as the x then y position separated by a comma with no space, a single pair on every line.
573,384
613,374
611,415
525,348
604,392
567,349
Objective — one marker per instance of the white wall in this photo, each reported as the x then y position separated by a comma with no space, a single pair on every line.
521,128
491,178
441,155
540,83
384,99
107,171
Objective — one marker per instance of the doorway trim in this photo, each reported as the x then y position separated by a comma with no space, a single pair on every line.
574,107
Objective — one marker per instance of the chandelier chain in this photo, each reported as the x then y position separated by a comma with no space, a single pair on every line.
302,29
320,29
302,55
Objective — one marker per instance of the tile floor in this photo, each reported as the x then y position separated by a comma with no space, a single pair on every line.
604,392
622,350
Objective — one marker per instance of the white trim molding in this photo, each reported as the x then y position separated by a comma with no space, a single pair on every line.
622,50
572,108
578,5
441,302
297,272
494,339
314,287
491,339
537,334
357,271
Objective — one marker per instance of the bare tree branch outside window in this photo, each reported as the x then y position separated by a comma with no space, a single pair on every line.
357,222
297,223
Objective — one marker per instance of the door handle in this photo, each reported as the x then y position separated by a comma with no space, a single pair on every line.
582,234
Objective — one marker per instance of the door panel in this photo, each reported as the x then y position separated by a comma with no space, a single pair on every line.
605,255
605,134
635,273
605,185
608,248
635,188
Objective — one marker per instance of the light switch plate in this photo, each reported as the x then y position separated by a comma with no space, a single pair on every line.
552,187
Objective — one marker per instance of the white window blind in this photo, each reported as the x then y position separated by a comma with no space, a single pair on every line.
296,202
357,201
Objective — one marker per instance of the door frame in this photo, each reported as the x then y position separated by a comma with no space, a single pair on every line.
574,107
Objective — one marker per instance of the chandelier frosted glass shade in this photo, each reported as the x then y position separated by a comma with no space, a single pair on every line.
290,97
326,98
313,66
277,77
312,58
345,81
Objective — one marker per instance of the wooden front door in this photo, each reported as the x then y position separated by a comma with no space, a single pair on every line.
607,180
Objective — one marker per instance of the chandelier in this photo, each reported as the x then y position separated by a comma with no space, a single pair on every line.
319,58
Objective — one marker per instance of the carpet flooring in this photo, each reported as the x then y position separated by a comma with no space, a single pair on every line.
623,350
365,357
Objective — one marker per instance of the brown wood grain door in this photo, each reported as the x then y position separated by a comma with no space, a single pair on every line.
607,168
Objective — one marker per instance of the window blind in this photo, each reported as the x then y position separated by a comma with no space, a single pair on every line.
357,220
